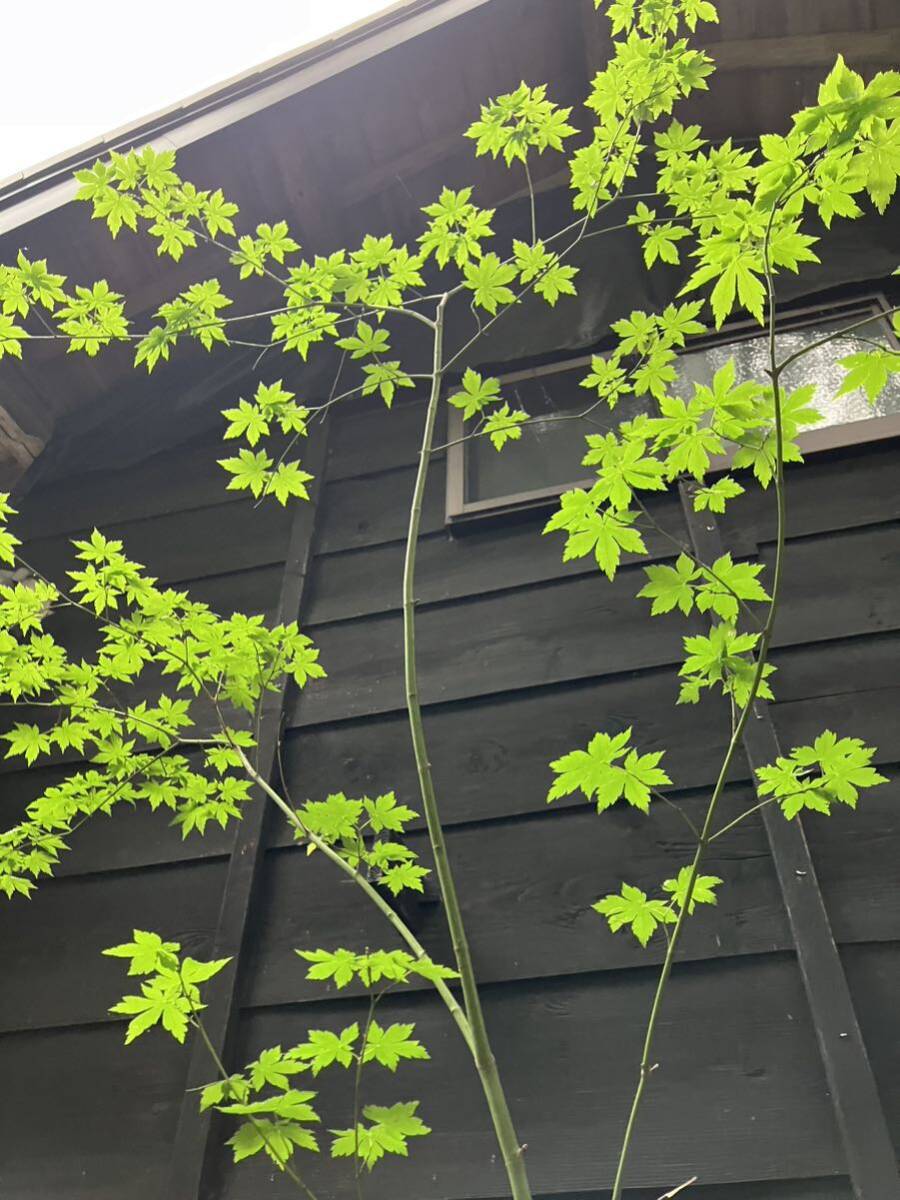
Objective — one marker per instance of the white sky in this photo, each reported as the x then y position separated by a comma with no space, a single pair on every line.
72,72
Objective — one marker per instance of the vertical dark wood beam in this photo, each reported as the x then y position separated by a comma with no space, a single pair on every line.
871,1159
190,1147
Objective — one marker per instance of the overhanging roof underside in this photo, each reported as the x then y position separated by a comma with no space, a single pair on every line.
355,134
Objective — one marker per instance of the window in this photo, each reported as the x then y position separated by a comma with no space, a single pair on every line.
481,482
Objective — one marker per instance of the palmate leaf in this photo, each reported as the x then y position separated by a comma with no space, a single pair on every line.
274,1068
504,425
607,771
388,1046
671,587
723,657
605,533
385,814
278,1138
388,1131
323,1048
870,371
475,392
831,770
623,467
704,890
488,278
633,908
144,952
715,496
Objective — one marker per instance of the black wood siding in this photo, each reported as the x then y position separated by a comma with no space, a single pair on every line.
521,658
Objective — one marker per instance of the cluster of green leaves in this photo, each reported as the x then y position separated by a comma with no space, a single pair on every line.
518,122
830,771
383,1130
719,588
647,452
737,214
273,409
342,967
632,908
275,1116
609,770
170,993
651,68
89,317
151,639
745,211
365,832
479,397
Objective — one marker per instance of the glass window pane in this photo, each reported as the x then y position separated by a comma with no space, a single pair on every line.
821,367
550,450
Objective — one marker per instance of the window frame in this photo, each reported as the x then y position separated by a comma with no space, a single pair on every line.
459,511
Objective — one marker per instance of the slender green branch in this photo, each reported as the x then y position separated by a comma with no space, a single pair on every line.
706,834
418,950
838,333
742,817
531,201
485,1062
357,1088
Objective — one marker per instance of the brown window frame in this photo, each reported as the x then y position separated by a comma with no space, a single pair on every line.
460,511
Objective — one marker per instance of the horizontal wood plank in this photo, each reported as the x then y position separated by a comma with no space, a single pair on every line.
527,887
374,509
736,1055
834,587
373,440
109,1109
173,480
366,581
866,478
128,837
189,545
526,890
490,757
50,946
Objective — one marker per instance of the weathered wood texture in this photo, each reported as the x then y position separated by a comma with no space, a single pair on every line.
112,1110
522,659
737,1048
865,1139
191,1145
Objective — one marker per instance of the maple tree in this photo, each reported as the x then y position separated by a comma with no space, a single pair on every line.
740,216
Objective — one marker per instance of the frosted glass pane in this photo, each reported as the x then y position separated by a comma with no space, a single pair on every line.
821,367
549,453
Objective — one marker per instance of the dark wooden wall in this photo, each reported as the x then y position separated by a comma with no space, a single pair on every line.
521,658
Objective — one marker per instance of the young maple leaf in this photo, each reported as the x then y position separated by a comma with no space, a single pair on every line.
475,393
703,891
387,1133
599,774
144,952
632,907
489,280
831,770
388,1046
671,587
324,1048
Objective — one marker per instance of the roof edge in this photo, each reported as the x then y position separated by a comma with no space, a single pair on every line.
49,185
